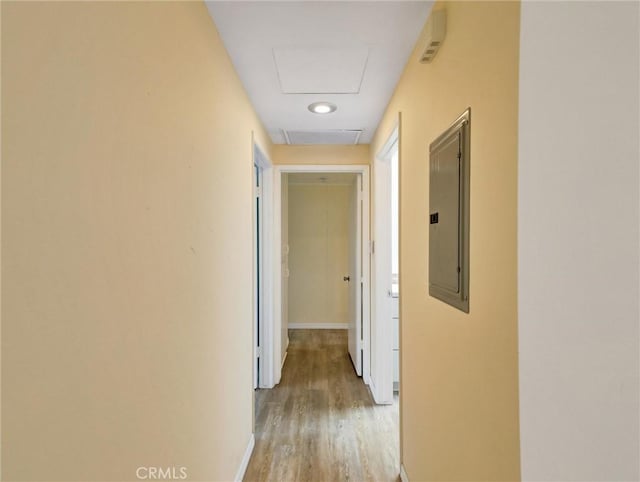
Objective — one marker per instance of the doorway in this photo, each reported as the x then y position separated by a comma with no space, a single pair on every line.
262,220
322,264
258,271
358,322
385,329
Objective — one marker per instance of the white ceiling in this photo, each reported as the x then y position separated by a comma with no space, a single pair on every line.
292,53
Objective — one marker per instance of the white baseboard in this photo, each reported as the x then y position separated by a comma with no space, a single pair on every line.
403,474
318,326
245,459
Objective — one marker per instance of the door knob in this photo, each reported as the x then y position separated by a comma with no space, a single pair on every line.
346,278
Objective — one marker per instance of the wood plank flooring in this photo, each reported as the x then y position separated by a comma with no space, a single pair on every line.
320,423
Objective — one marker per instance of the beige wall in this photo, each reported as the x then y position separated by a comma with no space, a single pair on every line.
127,177
319,253
338,154
460,371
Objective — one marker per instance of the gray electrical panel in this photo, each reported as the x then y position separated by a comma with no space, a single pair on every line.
449,214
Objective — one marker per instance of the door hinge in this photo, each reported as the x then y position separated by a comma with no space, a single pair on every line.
258,351
258,191
372,247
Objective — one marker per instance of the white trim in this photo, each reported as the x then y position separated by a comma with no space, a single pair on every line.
390,144
403,474
366,274
257,291
284,359
318,326
319,183
320,168
272,338
267,266
245,459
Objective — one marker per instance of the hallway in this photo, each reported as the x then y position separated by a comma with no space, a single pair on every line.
146,275
320,423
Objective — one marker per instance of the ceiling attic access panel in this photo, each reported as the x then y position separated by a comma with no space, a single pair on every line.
320,70
449,214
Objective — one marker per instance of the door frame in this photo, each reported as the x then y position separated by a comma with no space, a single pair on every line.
258,269
381,326
265,290
272,339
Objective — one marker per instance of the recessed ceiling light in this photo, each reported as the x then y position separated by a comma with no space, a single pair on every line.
322,107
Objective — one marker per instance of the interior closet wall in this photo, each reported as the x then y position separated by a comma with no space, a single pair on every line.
318,254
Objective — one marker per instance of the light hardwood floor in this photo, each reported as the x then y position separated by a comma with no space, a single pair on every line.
320,423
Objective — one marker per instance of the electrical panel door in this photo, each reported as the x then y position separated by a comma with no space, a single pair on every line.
449,215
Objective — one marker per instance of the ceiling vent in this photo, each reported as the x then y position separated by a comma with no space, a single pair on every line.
436,29
338,136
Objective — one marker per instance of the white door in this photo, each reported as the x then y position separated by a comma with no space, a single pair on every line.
395,271
385,320
355,275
